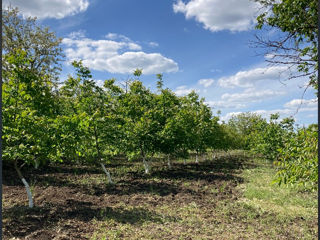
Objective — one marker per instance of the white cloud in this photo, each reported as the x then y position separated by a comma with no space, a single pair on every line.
206,82
122,38
77,34
251,77
150,63
229,115
48,8
99,82
114,36
263,113
215,70
250,95
153,44
217,15
183,90
241,100
134,46
303,104
290,109
115,56
225,104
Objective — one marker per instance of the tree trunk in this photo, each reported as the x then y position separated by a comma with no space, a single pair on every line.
145,163
214,156
25,184
184,161
37,164
99,156
107,173
169,162
197,160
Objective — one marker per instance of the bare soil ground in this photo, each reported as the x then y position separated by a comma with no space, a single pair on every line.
193,201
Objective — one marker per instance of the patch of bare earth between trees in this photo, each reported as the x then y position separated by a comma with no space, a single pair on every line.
72,202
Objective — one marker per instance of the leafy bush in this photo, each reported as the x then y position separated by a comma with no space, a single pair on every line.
298,160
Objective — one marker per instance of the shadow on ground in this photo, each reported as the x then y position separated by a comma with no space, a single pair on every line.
70,195
24,221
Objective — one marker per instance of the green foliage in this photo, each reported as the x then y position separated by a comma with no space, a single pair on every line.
41,46
294,152
267,138
244,126
298,160
28,106
297,20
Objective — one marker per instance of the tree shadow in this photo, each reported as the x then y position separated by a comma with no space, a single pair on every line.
221,169
21,221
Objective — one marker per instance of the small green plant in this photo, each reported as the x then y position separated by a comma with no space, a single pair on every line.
222,187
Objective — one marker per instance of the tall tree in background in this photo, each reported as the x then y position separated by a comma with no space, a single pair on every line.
30,67
294,43
41,46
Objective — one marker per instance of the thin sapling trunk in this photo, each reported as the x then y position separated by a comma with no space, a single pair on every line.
25,184
145,163
99,156
169,162
107,173
197,159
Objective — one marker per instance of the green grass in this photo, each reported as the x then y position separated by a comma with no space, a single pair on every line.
285,201
261,211
238,202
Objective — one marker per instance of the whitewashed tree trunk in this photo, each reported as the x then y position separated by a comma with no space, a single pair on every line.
25,184
107,173
28,192
169,162
197,160
184,161
146,166
36,164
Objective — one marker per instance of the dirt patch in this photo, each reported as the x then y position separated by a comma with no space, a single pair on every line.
71,202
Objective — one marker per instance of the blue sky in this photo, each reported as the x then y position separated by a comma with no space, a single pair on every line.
200,45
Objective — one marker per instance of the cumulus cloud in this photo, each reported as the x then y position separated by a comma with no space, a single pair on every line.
206,82
289,109
250,95
251,77
224,104
183,90
48,8
217,15
227,117
150,63
120,55
302,104
241,100
114,36
263,113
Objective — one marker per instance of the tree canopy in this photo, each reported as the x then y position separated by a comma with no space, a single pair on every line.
296,45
